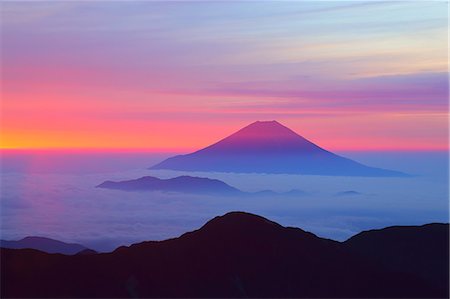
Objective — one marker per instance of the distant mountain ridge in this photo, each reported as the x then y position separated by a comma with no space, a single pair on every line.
237,255
183,184
44,244
189,184
270,147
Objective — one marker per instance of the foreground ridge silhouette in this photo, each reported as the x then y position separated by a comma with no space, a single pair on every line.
270,147
242,255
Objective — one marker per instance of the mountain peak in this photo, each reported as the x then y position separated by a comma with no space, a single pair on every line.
265,130
245,226
269,147
266,123
237,218
263,137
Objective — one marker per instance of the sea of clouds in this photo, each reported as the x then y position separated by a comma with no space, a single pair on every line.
55,196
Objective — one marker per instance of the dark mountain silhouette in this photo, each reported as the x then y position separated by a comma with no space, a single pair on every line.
269,147
422,250
235,255
87,252
43,244
183,184
189,184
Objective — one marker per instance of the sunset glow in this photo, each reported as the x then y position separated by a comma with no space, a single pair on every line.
180,76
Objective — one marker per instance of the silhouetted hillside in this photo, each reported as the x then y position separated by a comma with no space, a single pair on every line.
269,147
87,252
43,244
419,250
235,255
183,184
189,184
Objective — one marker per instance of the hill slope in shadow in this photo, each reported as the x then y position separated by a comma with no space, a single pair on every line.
422,250
235,255
182,184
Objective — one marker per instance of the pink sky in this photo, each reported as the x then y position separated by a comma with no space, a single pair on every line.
151,75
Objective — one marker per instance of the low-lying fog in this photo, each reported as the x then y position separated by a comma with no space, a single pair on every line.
53,194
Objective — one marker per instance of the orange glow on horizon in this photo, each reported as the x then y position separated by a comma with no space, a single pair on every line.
161,83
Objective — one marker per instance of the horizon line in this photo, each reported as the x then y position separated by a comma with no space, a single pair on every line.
189,150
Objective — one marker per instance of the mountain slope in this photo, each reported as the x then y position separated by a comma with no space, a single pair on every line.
235,255
269,147
43,244
421,250
183,184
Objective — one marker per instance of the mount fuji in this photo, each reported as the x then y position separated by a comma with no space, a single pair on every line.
270,147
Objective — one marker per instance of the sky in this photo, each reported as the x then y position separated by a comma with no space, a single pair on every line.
182,75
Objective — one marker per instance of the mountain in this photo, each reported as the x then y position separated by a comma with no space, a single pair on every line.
87,252
43,244
235,255
189,184
183,184
422,250
270,147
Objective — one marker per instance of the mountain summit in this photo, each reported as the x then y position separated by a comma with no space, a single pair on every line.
268,137
270,147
